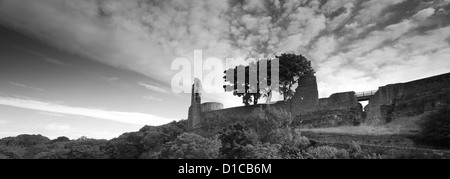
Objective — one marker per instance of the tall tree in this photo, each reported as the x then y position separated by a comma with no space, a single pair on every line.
243,87
292,67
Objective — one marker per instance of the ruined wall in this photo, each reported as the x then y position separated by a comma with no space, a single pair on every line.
195,110
306,98
408,99
195,116
341,101
327,118
237,111
339,109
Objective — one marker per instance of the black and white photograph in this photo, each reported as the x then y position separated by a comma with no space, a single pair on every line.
225,79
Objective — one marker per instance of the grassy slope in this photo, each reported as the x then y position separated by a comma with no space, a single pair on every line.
405,125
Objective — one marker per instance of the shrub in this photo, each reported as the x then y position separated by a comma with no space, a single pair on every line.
54,154
355,151
292,143
144,143
436,128
3,156
25,140
264,151
234,142
11,152
190,146
373,156
36,149
269,122
326,152
60,139
127,146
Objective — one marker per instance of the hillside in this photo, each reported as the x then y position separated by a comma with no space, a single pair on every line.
267,134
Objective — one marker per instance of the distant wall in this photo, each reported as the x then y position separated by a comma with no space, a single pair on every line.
327,118
237,111
408,99
206,107
342,101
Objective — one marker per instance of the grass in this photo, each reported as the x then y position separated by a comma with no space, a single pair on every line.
405,125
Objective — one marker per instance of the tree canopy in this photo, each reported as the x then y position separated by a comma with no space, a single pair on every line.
291,68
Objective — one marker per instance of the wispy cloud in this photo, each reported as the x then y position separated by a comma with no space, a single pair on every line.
123,117
4,121
51,114
25,86
341,36
43,57
153,98
58,127
153,88
112,78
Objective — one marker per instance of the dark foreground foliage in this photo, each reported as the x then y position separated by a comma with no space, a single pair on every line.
436,128
266,134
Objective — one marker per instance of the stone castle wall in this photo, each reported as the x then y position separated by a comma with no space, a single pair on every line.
389,103
408,99
206,107
342,101
341,107
306,98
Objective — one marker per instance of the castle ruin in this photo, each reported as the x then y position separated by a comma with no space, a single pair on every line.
385,105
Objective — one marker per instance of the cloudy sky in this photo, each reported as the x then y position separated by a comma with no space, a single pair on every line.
99,68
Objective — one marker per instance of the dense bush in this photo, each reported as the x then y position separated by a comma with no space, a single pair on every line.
264,135
263,151
3,156
60,139
355,151
127,146
234,142
436,128
146,142
54,154
269,122
326,152
24,140
11,152
191,146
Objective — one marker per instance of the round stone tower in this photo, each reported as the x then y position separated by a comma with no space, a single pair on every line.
195,113
212,106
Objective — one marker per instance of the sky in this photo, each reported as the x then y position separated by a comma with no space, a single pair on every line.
99,68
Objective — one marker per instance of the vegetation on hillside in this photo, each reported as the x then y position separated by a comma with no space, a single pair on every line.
266,134
436,128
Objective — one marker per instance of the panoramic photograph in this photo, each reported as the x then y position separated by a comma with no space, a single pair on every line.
224,79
